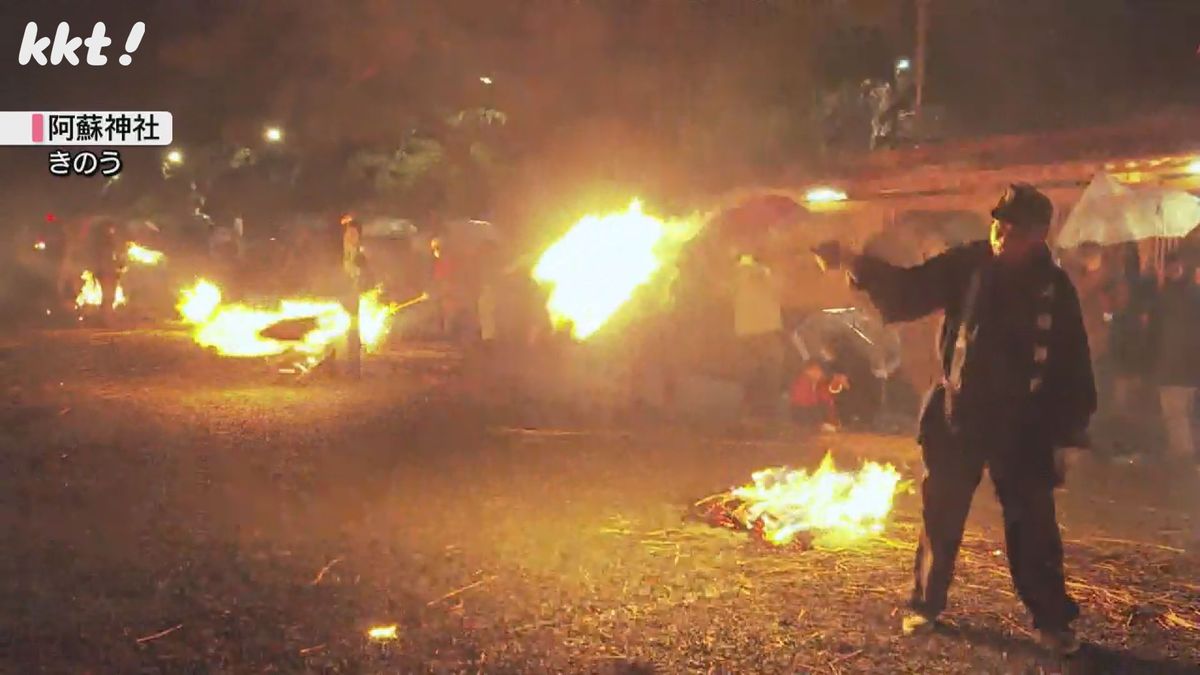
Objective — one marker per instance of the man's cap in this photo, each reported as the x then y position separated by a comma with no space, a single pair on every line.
1024,206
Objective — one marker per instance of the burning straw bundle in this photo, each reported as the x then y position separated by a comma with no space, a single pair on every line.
790,507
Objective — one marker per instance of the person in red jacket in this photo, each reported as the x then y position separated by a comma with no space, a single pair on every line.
813,397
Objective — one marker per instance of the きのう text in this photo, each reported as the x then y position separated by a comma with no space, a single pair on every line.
85,163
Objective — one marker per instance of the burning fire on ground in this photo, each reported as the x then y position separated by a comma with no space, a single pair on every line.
785,506
91,294
596,267
311,325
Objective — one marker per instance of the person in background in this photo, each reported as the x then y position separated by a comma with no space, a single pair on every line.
107,253
1096,291
356,279
1174,339
223,249
758,327
444,288
1100,293
813,397
1128,355
74,252
352,251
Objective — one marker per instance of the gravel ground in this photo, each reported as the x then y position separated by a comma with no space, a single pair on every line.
167,511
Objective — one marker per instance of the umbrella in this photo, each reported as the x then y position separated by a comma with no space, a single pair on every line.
756,216
1112,213
822,332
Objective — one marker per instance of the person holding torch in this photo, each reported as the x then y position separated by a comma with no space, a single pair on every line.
1016,395
354,266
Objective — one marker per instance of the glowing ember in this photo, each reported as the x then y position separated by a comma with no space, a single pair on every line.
790,501
237,329
594,269
91,294
140,254
384,633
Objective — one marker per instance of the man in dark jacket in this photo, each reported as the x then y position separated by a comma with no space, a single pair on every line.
1017,394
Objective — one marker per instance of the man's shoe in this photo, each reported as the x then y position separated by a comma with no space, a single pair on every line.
917,624
1061,642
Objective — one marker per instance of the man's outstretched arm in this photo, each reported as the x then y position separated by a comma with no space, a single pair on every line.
906,293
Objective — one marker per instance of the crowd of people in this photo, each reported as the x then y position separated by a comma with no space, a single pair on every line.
1141,310
1142,321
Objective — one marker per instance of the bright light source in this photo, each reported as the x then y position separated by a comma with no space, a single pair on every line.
903,64
825,194
175,157
143,255
40,246
1194,167
273,134
383,633
485,79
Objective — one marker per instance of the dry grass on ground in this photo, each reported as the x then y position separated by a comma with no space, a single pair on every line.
170,512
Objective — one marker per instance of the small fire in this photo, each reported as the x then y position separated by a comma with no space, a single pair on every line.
237,329
384,633
140,254
375,317
789,501
91,294
594,269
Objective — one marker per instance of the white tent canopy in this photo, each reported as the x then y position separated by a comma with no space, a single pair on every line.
1112,213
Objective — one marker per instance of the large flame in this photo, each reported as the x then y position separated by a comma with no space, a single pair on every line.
790,501
236,329
197,304
140,254
594,269
91,294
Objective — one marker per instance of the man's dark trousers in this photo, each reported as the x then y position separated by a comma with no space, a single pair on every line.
1032,540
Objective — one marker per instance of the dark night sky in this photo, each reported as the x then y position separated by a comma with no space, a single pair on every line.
999,65
1053,59
1050,62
